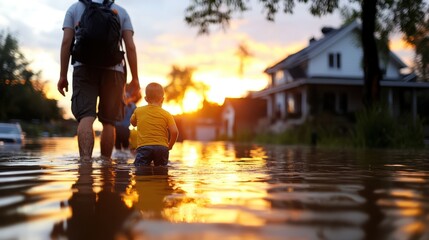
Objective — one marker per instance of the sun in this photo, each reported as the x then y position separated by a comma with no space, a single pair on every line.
192,102
217,91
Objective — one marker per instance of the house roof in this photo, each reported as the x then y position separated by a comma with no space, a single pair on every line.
316,46
340,82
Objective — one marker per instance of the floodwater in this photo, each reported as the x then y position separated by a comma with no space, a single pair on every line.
214,190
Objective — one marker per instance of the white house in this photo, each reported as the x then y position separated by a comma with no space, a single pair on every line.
327,76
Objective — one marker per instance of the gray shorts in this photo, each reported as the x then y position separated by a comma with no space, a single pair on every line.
90,83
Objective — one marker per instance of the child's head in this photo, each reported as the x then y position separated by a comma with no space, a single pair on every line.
154,93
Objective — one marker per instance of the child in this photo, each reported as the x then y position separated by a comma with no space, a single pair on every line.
156,129
122,141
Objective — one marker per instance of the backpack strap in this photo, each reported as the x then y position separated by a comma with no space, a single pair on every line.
108,3
86,2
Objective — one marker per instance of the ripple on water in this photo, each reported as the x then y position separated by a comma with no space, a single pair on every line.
213,191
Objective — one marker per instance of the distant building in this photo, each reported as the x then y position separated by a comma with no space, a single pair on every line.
241,116
200,126
327,76
205,129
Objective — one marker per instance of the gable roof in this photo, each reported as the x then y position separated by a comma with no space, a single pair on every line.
316,46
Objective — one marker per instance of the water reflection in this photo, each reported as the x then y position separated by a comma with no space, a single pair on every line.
110,196
153,185
347,189
215,190
97,208
217,186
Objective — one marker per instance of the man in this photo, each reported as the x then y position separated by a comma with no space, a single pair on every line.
90,83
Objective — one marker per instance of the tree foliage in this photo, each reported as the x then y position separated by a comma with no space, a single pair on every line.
204,13
22,94
378,17
420,41
243,54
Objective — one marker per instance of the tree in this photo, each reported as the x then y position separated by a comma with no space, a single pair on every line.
181,80
395,15
420,41
243,54
21,92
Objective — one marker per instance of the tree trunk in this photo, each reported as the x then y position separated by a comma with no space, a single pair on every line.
372,73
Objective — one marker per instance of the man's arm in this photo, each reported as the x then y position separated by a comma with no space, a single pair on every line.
65,59
131,51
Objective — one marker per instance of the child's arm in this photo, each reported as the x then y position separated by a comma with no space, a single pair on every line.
174,133
133,120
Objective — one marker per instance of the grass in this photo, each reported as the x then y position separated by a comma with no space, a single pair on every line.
373,128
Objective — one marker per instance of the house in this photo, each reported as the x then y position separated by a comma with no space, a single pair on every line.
197,128
200,126
241,116
327,76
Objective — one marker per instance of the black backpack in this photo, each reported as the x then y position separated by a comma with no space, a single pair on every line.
98,36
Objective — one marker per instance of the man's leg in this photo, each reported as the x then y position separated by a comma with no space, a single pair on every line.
118,143
107,140
126,140
85,137
110,108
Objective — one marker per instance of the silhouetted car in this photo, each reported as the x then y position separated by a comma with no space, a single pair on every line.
11,133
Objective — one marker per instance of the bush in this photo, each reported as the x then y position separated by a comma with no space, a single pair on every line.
325,130
376,128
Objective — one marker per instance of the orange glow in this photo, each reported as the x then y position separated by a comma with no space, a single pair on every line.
398,44
417,227
202,200
407,204
131,196
404,193
192,101
411,212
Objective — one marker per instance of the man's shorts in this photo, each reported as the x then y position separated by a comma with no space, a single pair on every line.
90,83
156,153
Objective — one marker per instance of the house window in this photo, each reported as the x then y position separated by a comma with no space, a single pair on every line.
334,60
338,60
331,60
294,103
329,102
291,104
343,103
279,77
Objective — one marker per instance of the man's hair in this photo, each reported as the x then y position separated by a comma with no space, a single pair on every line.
154,92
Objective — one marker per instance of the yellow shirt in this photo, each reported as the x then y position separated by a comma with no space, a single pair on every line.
152,125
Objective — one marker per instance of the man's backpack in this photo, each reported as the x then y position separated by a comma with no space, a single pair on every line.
98,36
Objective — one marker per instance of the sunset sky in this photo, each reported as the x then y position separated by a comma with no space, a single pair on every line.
163,39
